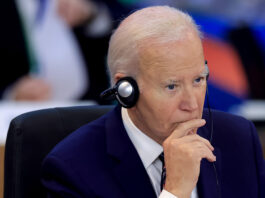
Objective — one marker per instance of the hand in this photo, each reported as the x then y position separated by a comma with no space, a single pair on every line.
76,12
31,88
183,151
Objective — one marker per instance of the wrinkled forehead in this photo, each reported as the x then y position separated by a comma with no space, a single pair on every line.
187,51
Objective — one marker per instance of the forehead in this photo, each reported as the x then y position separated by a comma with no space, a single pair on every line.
176,57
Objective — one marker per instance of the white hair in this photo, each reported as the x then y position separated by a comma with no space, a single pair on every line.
163,23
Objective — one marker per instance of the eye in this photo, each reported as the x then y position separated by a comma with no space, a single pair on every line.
171,87
199,80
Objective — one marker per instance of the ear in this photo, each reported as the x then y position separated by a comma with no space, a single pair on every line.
118,76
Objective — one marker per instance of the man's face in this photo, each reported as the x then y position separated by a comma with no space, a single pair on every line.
172,84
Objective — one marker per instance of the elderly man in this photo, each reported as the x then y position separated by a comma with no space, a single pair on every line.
157,64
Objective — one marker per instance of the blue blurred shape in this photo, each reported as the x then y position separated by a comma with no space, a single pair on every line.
212,25
222,100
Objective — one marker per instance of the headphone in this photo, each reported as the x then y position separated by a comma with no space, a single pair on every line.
126,91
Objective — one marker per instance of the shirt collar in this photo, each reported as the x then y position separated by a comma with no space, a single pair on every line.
147,148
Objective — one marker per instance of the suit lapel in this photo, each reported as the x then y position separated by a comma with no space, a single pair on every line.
209,172
133,178
128,169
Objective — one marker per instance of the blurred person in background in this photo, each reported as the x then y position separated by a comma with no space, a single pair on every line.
53,49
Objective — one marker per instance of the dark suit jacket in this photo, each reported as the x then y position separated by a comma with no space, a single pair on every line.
99,160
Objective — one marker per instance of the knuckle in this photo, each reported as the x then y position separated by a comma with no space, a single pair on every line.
190,153
182,147
198,137
167,143
170,143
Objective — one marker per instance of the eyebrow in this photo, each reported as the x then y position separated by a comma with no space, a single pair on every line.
173,81
204,73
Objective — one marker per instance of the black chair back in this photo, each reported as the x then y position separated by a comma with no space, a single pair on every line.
31,136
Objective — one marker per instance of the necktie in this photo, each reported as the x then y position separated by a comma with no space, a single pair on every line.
163,175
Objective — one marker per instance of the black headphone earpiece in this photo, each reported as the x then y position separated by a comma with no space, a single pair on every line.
207,69
125,91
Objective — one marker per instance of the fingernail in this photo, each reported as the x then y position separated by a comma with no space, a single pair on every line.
203,121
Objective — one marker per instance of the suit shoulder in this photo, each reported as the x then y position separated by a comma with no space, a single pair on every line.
224,117
227,124
84,139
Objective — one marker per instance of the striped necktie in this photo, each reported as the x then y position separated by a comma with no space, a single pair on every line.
163,175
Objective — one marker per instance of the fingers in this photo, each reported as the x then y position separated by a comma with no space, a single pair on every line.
183,151
192,146
185,133
203,151
194,138
187,127
184,136
182,159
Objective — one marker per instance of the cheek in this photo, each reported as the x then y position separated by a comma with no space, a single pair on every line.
201,97
159,109
166,111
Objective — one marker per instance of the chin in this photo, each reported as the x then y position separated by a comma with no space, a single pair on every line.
167,132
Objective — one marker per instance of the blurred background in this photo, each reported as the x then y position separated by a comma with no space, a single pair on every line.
53,53
55,50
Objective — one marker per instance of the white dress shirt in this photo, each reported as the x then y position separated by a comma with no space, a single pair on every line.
149,151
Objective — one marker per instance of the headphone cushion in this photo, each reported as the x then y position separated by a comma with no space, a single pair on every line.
127,92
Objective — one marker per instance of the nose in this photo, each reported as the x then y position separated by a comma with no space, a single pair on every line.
188,101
